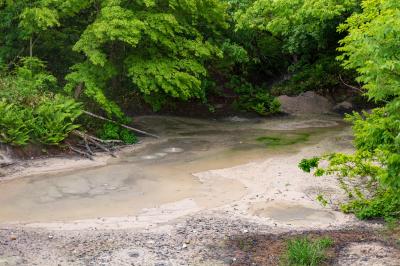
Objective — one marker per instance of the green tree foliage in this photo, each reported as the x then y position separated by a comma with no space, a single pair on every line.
303,25
306,33
371,49
160,46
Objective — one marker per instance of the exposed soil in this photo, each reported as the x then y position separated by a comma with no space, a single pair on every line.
268,249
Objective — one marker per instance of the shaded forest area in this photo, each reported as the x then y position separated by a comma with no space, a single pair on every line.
63,60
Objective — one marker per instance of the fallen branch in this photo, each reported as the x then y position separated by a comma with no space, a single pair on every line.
88,139
80,152
102,147
85,135
350,86
88,147
121,125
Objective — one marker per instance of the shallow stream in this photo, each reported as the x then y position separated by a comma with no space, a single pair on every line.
161,171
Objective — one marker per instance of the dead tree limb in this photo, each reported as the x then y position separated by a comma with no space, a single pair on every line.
122,125
350,86
87,136
102,147
80,152
87,146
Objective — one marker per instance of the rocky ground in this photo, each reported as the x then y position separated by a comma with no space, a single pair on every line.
196,240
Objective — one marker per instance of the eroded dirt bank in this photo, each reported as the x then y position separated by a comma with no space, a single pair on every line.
188,199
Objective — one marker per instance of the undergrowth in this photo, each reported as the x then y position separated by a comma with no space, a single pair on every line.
303,251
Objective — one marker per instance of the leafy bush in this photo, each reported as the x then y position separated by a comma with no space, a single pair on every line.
113,131
370,176
13,124
321,75
302,251
29,84
253,98
307,164
54,119
31,111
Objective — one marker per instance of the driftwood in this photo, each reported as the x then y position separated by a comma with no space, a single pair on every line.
85,154
121,125
90,144
101,144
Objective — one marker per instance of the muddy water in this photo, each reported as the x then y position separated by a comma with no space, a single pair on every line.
161,171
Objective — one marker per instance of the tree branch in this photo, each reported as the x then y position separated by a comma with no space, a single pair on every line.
350,86
122,125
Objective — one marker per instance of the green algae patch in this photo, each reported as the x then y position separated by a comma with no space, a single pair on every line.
282,140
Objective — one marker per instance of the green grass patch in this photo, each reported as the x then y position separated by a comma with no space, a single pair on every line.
284,139
303,251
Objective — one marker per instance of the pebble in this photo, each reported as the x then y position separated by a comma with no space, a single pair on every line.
133,254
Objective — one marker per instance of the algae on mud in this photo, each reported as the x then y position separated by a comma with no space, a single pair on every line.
283,139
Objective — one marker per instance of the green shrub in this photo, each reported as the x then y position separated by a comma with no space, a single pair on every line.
371,175
307,164
113,131
302,251
14,123
55,119
31,110
29,84
321,75
253,98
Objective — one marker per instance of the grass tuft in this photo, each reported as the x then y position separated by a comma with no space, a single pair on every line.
302,251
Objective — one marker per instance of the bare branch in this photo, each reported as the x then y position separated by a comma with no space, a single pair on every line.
122,125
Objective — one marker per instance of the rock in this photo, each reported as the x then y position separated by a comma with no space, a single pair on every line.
306,103
133,254
343,107
4,159
13,237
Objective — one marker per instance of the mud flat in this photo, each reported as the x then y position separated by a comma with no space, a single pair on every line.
179,200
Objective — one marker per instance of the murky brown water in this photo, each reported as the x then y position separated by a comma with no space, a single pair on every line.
160,172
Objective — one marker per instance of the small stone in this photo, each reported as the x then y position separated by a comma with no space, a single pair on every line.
13,237
228,260
133,254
